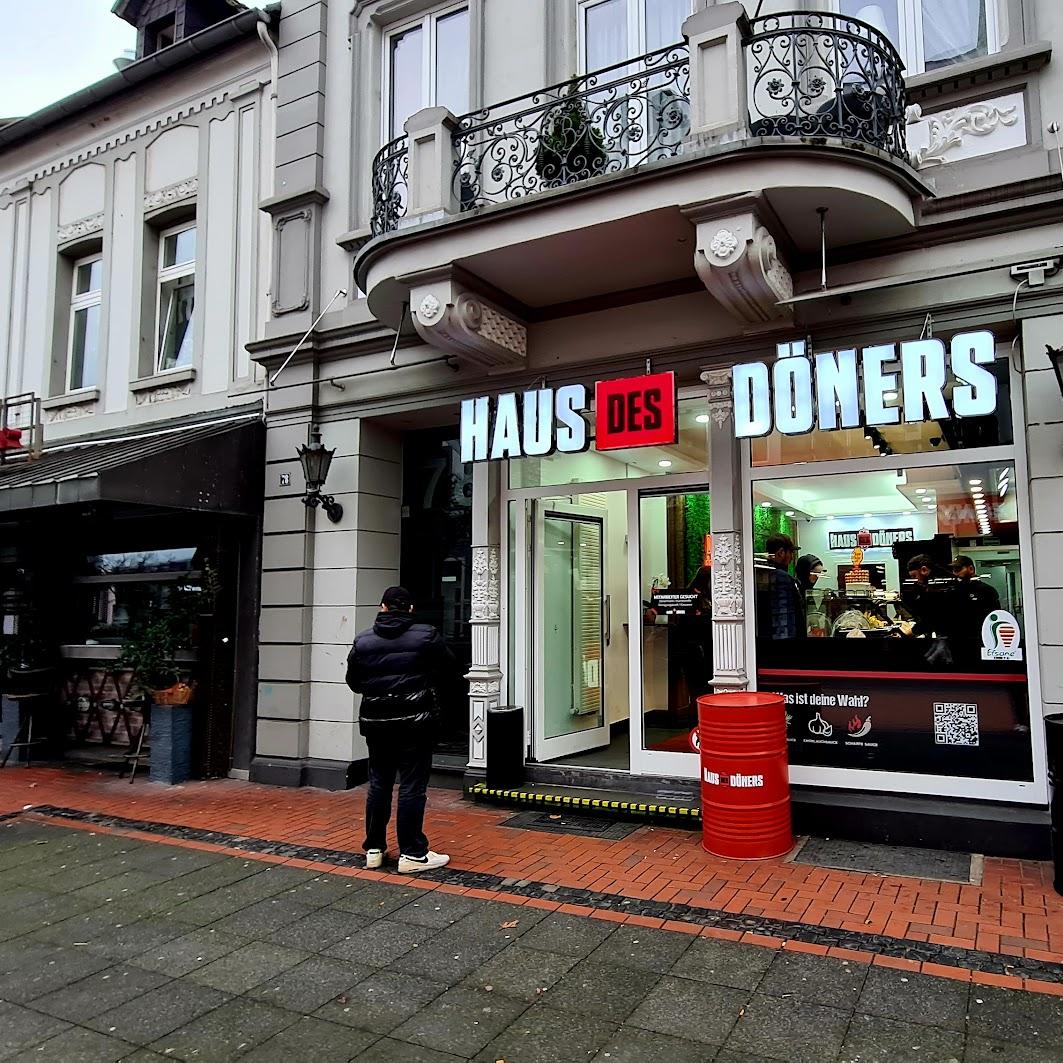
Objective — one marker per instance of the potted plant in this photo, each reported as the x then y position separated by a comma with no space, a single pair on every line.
150,653
570,148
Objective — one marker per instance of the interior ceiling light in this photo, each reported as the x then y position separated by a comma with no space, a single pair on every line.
702,418
920,490
975,483
931,505
868,516
664,463
790,513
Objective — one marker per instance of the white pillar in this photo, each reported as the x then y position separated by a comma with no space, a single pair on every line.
431,163
718,108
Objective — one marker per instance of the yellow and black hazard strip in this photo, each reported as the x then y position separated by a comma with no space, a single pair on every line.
626,809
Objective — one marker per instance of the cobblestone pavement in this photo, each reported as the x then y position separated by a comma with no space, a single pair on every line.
113,947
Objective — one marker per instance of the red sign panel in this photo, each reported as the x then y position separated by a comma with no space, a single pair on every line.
637,411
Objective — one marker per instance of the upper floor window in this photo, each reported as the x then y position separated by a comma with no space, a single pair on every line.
176,300
612,31
160,34
931,34
85,299
427,65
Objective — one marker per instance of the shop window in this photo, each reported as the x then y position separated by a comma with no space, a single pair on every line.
426,64
612,31
176,297
689,454
84,325
922,437
889,611
117,592
930,34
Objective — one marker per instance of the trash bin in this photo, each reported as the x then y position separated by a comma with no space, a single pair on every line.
1054,745
505,747
745,786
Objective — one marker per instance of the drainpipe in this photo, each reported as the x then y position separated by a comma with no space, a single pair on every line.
274,55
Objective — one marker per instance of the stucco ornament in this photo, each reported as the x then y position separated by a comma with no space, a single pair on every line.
728,601
949,128
486,584
174,193
718,395
723,244
430,310
81,227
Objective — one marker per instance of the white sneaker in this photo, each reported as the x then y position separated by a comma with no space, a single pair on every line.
374,858
410,865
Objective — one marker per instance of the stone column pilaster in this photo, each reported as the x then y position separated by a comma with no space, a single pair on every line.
485,675
728,522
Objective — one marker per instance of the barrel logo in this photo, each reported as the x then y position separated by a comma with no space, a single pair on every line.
739,782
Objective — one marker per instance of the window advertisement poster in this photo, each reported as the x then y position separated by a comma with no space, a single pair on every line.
935,725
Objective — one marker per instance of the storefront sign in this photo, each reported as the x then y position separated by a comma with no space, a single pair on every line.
877,385
880,537
630,412
1001,637
953,725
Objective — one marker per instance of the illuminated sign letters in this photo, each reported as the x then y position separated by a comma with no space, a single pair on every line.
631,412
876,385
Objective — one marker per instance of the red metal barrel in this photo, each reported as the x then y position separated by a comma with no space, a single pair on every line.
745,788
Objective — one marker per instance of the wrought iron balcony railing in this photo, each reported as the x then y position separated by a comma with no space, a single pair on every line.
618,118
825,75
808,75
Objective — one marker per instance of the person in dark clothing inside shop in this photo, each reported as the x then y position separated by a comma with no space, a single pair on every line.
972,599
926,595
695,632
785,598
396,666
807,571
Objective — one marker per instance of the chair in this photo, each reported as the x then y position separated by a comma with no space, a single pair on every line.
135,755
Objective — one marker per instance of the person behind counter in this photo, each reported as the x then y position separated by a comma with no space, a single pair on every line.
807,571
926,595
785,597
972,599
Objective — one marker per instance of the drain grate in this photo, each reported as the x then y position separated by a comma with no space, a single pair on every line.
890,860
610,830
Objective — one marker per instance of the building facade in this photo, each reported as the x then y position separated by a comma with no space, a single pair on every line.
506,204
134,273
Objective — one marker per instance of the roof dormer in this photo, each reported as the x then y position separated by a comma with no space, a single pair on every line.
160,23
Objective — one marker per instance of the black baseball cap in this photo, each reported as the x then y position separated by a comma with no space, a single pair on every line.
962,561
397,599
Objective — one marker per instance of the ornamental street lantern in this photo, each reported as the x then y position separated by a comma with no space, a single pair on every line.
315,459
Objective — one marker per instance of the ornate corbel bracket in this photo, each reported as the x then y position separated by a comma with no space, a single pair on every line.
738,262
461,322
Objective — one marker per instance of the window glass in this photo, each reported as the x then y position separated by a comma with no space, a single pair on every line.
84,349
176,303
664,22
179,248
406,89
89,277
690,454
883,15
923,437
605,33
452,62
889,612
953,30
675,564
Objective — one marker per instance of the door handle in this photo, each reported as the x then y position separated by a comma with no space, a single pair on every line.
607,617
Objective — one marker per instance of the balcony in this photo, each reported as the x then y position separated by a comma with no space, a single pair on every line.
809,77
704,166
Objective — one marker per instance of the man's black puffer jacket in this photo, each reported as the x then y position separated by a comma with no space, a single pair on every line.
395,666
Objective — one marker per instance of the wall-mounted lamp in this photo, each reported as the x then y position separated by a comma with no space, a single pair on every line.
315,460
1055,356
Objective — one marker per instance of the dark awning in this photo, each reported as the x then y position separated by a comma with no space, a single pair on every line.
212,466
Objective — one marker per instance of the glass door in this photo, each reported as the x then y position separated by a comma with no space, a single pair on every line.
570,612
675,615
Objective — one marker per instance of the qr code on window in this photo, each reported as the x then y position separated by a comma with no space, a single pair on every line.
955,723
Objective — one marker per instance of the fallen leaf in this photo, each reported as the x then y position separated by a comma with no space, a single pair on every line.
510,925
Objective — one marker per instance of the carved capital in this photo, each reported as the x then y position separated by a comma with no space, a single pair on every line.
463,323
946,132
738,262
719,395
728,595
486,584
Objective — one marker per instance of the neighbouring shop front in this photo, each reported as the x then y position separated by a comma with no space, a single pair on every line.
129,553
645,566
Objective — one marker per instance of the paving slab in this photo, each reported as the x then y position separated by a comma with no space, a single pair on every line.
650,950
632,1045
524,974
693,1010
388,1051
192,950
21,1028
309,985
247,967
723,963
312,1039
157,1012
605,990
915,998
380,943
872,1037
226,1032
816,979
460,1021
569,935
543,1033
1017,1018
81,1001
77,1045
319,929
382,1001
790,1029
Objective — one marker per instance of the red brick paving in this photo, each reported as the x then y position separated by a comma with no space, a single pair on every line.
1014,911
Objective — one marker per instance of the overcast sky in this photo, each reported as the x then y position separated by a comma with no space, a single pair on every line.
51,48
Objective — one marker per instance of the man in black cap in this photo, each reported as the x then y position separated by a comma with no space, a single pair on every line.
395,666
974,600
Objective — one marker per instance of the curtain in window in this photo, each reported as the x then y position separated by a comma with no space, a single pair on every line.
664,22
606,33
952,30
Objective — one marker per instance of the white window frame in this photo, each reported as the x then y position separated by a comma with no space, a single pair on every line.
427,24
84,301
910,21
636,28
172,273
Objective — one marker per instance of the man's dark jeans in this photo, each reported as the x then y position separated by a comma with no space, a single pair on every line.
410,759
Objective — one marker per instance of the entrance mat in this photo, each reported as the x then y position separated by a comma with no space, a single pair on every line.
890,860
609,830
738,923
